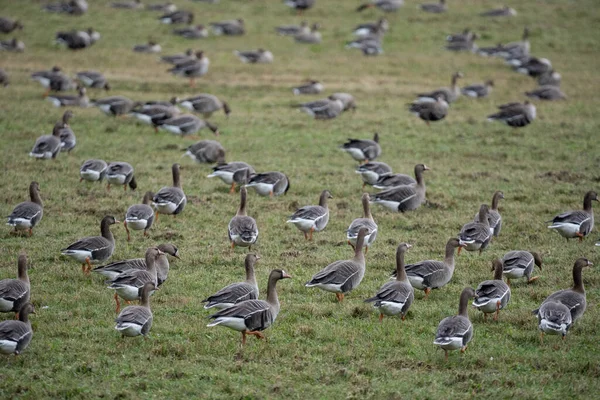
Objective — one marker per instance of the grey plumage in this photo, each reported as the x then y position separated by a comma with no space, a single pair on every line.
363,149
456,332
518,264
492,295
236,292
242,229
171,200
14,293
516,115
406,197
15,336
26,215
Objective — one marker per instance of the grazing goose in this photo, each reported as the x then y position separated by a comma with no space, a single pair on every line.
93,249
236,292
292,30
140,216
363,150
129,283
177,17
493,295
192,32
12,45
72,7
312,87
300,5
456,332
151,47
431,274
404,198
128,5
237,172
395,297
505,11
175,59
120,173
366,222
115,105
340,277
533,66
26,215
449,95
16,335
8,25
430,111
4,79
78,40
93,170
250,317
372,171
53,80
549,78
494,217
578,223
518,264
137,320
476,235
309,219
192,69
48,146
242,229
546,93
347,100
81,100
383,5
552,316
155,115
323,109
516,115
205,104
229,28
167,7
478,90
311,37
187,124
260,56
370,45
14,293
170,200
435,8
392,180
270,183
66,134
369,28
206,151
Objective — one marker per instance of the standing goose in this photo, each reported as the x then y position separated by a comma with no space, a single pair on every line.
8,25
494,217
205,104
140,216
26,215
170,200
393,180
435,8
548,92
12,45
115,105
323,109
448,94
80,100
192,32
177,17
236,292
404,198
93,249
369,28
579,223
206,151
260,56
193,68
242,229
309,219
518,264
53,80
340,277
270,183
531,66
395,297
456,332
155,114
120,173
476,235
292,30
179,58
93,170
66,135
93,79
516,49
363,150
229,28
14,293
151,48
312,87
137,320
311,37
493,295
237,172
78,40
478,90
250,317
432,274
48,146
516,115
430,111
383,5
366,222
16,335
187,124
372,171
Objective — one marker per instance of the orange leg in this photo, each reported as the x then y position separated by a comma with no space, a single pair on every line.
89,266
232,245
125,187
156,216
497,311
310,233
146,232
271,194
427,291
306,235
462,350
127,229
531,280
30,232
542,338
366,249
46,93
118,309
580,236
243,338
257,334
232,188
108,187
403,317
340,297
192,82
446,354
17,315
380,317
459,249
83,268
484,317
508,282
80,180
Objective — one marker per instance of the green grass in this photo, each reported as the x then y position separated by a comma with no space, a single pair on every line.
317,348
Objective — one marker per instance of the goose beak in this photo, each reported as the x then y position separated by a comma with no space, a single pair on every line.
176,255
408,246
286,276
589,263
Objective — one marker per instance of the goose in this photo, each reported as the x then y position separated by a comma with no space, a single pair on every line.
516,115
233,27
546,93
363,150
505,11
578,223
435,8
48,146
12,45
456,332
369,28
8,25
236,292
26,215
81,100
515,49
129,283
16,335
242,229
552,316
115,105
206,151
137,320
465,36
476,235
128,5
251,317
205,104
292,30
53,80
260,56
151,47
323,109
192,32
4,78
367,222
192,69
66,134
393,180
73,7
167,7
533,67
518,264
478,90
155,115
494,217
430,111
492,295
311,37
140,216
269,183
300,5
93,170
383,5
309,219
372,171
312,87
170,200
449,95
237,172
432,274
93,249
549,78
175,59
14,293
177,17
120,173
404,198
369,45
340,277
346,98
78,40
112,270
468,45
187,124
397,296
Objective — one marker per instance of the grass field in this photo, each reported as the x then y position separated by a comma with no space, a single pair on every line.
317,348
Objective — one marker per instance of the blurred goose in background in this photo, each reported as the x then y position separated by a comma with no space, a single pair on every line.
242,229
347,100
533,66
77,40
120,173
93,79
310,37
430,111
341,277
233,27
269,183
323,109
156,114
300,5
505,11
177,17
478,90
392,180
93,170
167,7
546,93
192,32
73,7
151,47
193,68
48,146
369,44
14,293
12,45
518,264
206,151
187,124
465,36
515,49
476,235
260,56
16,335
236,292
4,78
170,200
26,215
551,77
406,197
128,5
494,217
81,100
179,58
366,222
205,104
115,105
468,45
309,219
292,30
93,249
516,115
137,320
372,171
237,172
449,95
383,5
251,317
370,28
140,216
435,8
66,134
53,80
492,295
8,25
395,297
456,332
312,87
578,223
363,150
